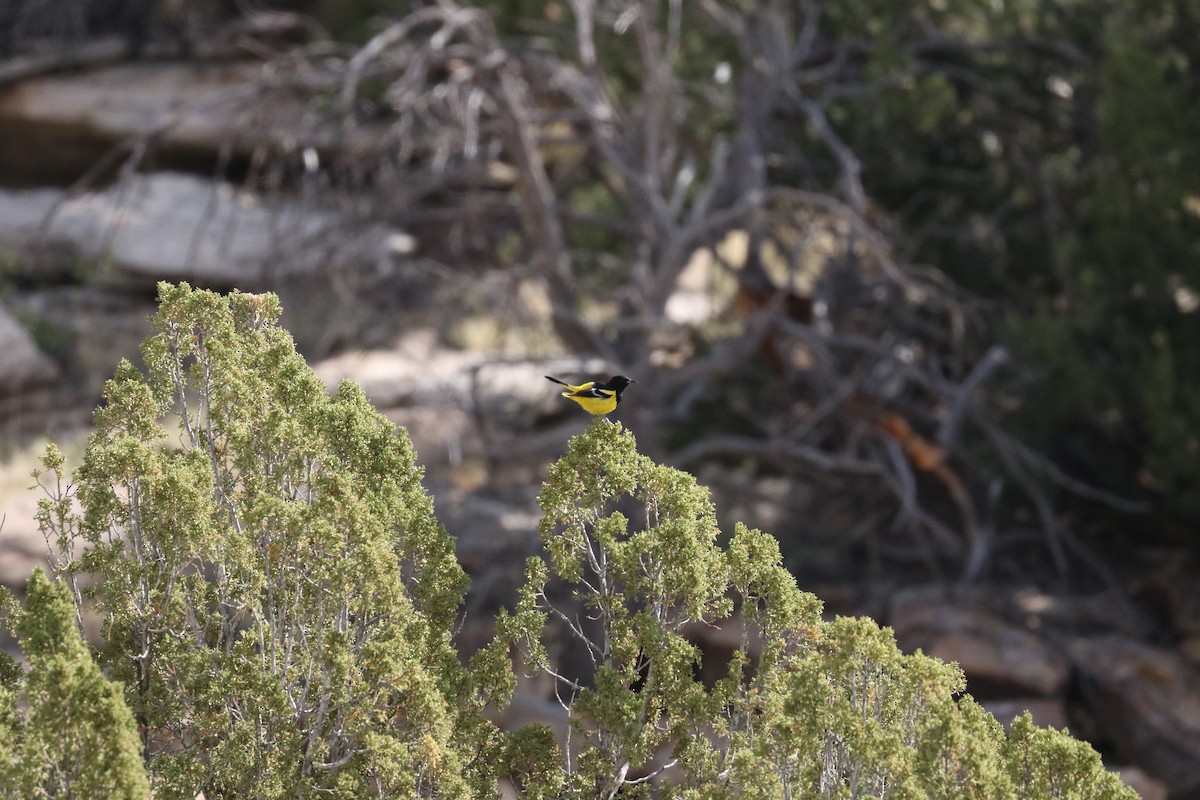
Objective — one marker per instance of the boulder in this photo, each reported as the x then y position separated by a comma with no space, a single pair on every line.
1146,786
1170,590
23,212
24,246
999,658
416,371
92,329
1047,712
1145,703
491,531
22,365
60,124
419,372
173,226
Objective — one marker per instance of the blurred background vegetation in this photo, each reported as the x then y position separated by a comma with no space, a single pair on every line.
1004,196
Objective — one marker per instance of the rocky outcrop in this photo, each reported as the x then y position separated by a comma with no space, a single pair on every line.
1145,702
999,658
172,226
58,126
417,372
1173,591
22,365
1138,703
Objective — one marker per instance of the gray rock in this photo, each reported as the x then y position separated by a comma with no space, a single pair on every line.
1146,786
1145,701
22,365
998,658
172,226
1047,712
64,122
418,371
23,212
93,328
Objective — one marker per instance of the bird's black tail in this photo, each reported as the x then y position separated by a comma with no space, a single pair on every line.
556,380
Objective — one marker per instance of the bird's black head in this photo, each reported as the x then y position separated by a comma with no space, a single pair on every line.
618,383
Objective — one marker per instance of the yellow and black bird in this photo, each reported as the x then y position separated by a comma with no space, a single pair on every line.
596,398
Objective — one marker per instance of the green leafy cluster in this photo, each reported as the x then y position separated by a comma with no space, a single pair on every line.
74,736
807,708
276,600
276,593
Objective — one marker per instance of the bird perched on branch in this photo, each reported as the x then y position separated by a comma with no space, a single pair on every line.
596,398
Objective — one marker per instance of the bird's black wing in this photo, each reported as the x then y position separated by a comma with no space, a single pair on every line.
594,391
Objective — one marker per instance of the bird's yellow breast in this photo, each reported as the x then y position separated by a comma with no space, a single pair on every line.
595,405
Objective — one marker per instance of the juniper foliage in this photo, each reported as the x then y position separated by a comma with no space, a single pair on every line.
277,599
